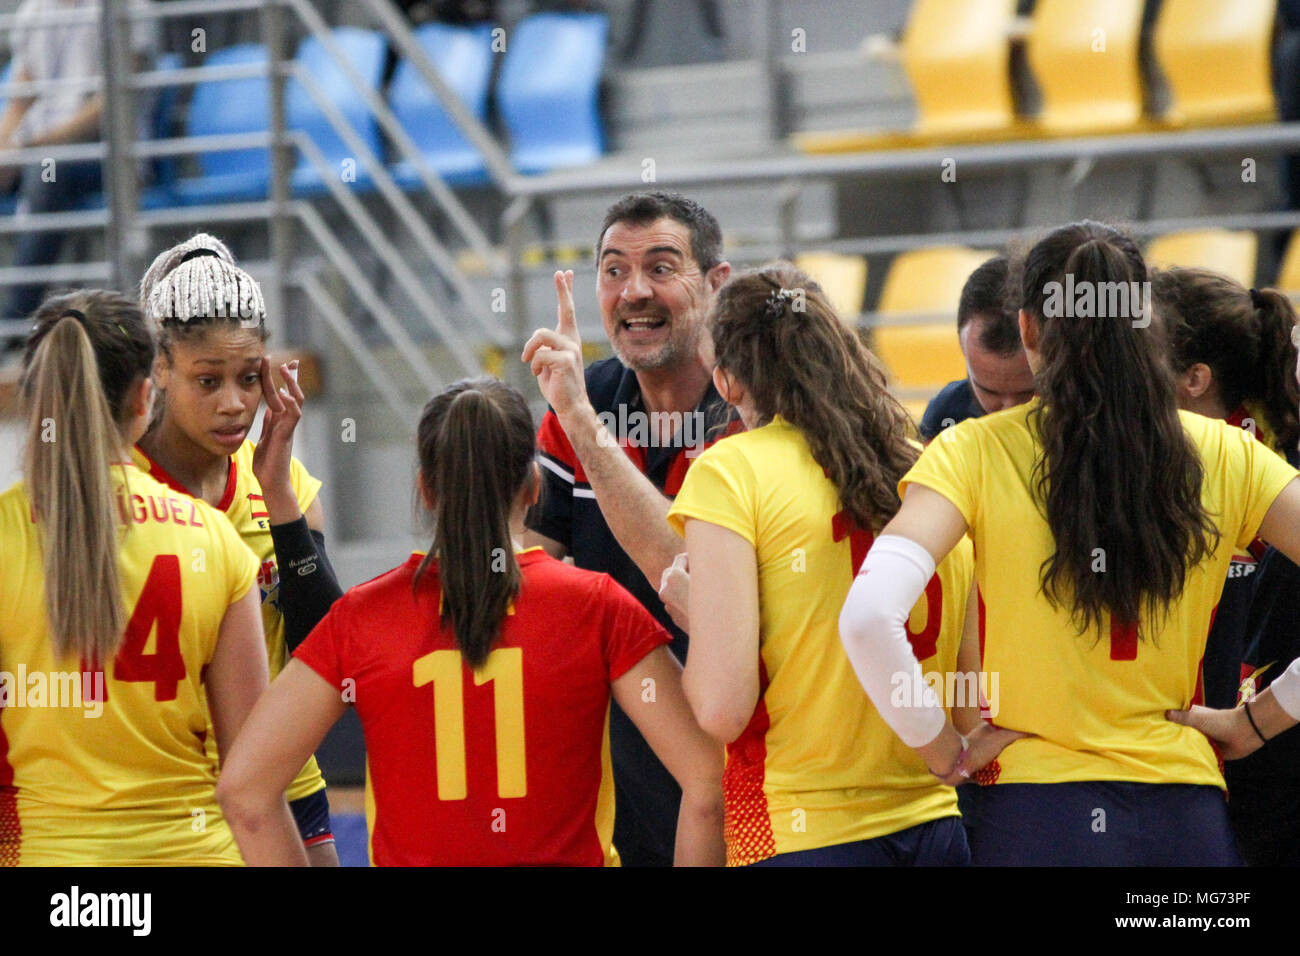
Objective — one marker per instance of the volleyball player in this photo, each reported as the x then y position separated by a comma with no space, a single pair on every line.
776,520
1104,521
1233,359
121,603
483,677
213,373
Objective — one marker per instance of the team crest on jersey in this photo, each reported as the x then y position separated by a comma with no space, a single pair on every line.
268,582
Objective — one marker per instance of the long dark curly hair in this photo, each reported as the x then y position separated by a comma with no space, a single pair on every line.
1117,471
800,361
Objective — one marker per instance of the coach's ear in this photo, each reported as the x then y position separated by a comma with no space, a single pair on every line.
717,276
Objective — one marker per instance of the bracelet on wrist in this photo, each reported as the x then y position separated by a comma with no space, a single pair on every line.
1254,726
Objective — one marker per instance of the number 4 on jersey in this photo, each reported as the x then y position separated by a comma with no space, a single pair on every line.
159,604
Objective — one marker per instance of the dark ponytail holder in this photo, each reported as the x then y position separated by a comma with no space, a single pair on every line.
196,253
76,314
1256,300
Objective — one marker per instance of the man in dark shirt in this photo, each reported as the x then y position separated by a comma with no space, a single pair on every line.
997,372
617,440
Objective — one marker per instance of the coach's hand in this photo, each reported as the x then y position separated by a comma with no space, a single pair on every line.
1229,729
675,591
555,356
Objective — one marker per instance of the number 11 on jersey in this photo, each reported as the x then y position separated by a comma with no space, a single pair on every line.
504,668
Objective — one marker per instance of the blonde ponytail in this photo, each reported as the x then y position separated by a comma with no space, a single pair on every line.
86,353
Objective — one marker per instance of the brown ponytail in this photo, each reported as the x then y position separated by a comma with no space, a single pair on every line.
1242,335
476,449
86,353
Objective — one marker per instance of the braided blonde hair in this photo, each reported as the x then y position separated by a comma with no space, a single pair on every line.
197,281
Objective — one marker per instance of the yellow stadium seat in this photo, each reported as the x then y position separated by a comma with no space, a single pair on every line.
1215,55
1231,253
843,279
957,56
1084,55
1288,273
924,286
958,59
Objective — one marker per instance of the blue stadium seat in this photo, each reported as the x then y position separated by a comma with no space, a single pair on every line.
223,108
463,57
548,90
7,203
159,194
366,50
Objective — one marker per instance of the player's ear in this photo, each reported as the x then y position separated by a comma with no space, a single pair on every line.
534,485
426,496
731,391
1195,382
161,370
1029,331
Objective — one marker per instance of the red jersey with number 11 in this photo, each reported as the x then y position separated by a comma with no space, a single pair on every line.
498,766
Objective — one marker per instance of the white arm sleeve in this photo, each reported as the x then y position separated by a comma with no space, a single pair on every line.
873,630
1286,690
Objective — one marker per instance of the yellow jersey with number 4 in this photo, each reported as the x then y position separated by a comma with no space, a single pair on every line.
1096,702
108,766
244,507
817,766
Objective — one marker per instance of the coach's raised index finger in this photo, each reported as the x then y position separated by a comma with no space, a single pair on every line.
567,324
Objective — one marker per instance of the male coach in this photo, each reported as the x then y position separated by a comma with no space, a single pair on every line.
617,440
997,372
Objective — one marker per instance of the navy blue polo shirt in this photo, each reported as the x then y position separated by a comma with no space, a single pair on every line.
955,403
647,797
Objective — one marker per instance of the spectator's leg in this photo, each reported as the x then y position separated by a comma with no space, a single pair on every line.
68,185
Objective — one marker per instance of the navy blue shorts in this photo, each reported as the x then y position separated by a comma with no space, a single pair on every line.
1103,823
936,843
312,814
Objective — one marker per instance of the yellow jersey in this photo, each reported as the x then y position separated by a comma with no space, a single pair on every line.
817,766
1096,702
109,766
243,505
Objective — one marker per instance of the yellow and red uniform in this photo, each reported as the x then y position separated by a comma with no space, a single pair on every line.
1096,706
243,506
500,765
133,785
817,766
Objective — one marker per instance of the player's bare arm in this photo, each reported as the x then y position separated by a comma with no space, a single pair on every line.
651,694
721,679
283,731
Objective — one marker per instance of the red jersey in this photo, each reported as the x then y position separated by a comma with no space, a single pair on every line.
492,767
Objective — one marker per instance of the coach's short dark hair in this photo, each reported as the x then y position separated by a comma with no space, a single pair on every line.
644,208
987,294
